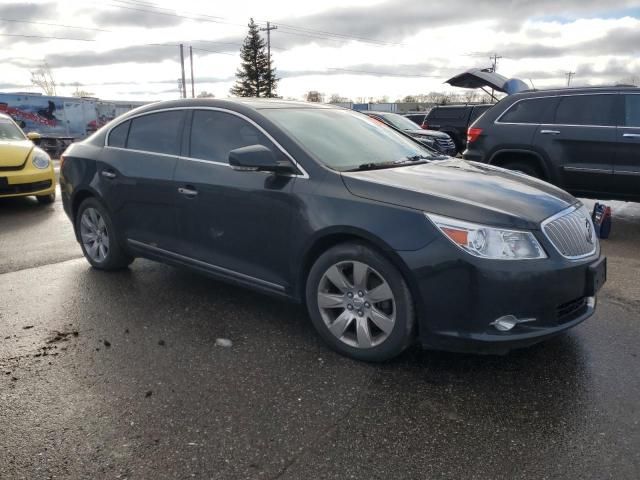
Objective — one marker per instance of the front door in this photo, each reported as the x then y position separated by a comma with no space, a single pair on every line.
237,223
627,166
581,140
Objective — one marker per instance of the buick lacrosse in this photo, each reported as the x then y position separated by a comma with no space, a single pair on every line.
384,241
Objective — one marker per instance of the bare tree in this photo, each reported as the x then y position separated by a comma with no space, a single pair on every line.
205,94
337,98
42,77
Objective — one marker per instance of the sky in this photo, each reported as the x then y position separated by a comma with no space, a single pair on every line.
360,49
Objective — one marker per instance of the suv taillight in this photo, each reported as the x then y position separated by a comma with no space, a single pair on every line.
473,134
424,126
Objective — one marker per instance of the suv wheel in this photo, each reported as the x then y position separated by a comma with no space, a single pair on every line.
97,237
523,167
359,303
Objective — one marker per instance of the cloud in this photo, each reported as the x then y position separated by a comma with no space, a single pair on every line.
27,11
137,18
133,54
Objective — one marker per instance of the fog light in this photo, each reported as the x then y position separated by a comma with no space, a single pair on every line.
506,323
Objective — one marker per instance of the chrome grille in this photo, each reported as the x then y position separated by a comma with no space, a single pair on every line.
571,232
446,145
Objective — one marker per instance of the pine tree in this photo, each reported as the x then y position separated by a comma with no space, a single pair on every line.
256,72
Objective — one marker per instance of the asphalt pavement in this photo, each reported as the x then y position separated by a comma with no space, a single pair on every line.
130,375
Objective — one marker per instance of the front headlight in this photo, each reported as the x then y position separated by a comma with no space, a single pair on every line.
40,159
489,242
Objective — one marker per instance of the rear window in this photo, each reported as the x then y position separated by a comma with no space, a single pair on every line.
157,132
586,110
535,110
477,111
632,111
448,113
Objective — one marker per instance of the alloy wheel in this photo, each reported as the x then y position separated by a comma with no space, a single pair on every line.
356,304
94,234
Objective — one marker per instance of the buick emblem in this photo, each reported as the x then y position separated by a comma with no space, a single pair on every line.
589,232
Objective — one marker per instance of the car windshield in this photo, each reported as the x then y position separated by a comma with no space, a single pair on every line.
9,131
398,121
343,139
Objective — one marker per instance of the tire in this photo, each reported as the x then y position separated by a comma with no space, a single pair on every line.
98,238
46,199
524,167
336,304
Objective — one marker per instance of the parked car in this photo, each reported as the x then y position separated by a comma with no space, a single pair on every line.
454,120
25,169
382,239
439,141
585,140
419,118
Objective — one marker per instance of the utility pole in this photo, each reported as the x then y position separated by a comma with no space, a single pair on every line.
268,29
495,57
193,88
569,75
184,83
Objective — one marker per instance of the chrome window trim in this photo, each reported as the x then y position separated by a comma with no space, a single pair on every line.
304,173
216,268
625,172
569,168
560,214
498,122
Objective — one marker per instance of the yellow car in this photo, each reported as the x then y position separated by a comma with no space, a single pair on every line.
24,168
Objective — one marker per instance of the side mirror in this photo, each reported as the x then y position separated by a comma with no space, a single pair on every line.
33,136
257,158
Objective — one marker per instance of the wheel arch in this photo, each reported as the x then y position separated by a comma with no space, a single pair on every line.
505,156
329,238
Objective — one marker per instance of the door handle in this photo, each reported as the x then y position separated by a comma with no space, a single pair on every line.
108,174
631,135
549,132
187,192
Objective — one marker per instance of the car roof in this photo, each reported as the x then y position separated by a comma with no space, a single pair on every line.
576,91
461,105
380,113
4,115
253,103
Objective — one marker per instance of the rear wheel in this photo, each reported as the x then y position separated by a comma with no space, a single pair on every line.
359,303
46,199
97,237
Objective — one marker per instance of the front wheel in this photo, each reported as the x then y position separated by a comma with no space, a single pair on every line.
97,237
360,304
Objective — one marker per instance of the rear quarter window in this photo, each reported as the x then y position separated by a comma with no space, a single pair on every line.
632,110
118,135
534,110
447,113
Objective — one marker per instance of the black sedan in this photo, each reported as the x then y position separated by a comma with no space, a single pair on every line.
439,141
380,238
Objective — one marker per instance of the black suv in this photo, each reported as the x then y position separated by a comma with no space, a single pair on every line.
586,140
454,121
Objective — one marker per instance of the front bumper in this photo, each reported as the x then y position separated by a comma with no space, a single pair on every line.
459,296
27,181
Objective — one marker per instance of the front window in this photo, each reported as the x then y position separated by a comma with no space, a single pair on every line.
9,131
342,139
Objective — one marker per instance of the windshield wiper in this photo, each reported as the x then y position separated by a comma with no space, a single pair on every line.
380,165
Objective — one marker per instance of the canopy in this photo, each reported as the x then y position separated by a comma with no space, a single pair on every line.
477,78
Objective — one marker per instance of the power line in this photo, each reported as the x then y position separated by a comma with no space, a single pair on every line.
49,37
150,7
13,20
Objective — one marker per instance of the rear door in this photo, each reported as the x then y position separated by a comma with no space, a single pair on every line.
236,222
627,162
580,141
136,175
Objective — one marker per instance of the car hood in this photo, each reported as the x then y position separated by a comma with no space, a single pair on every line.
420,132
14,153
465,190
